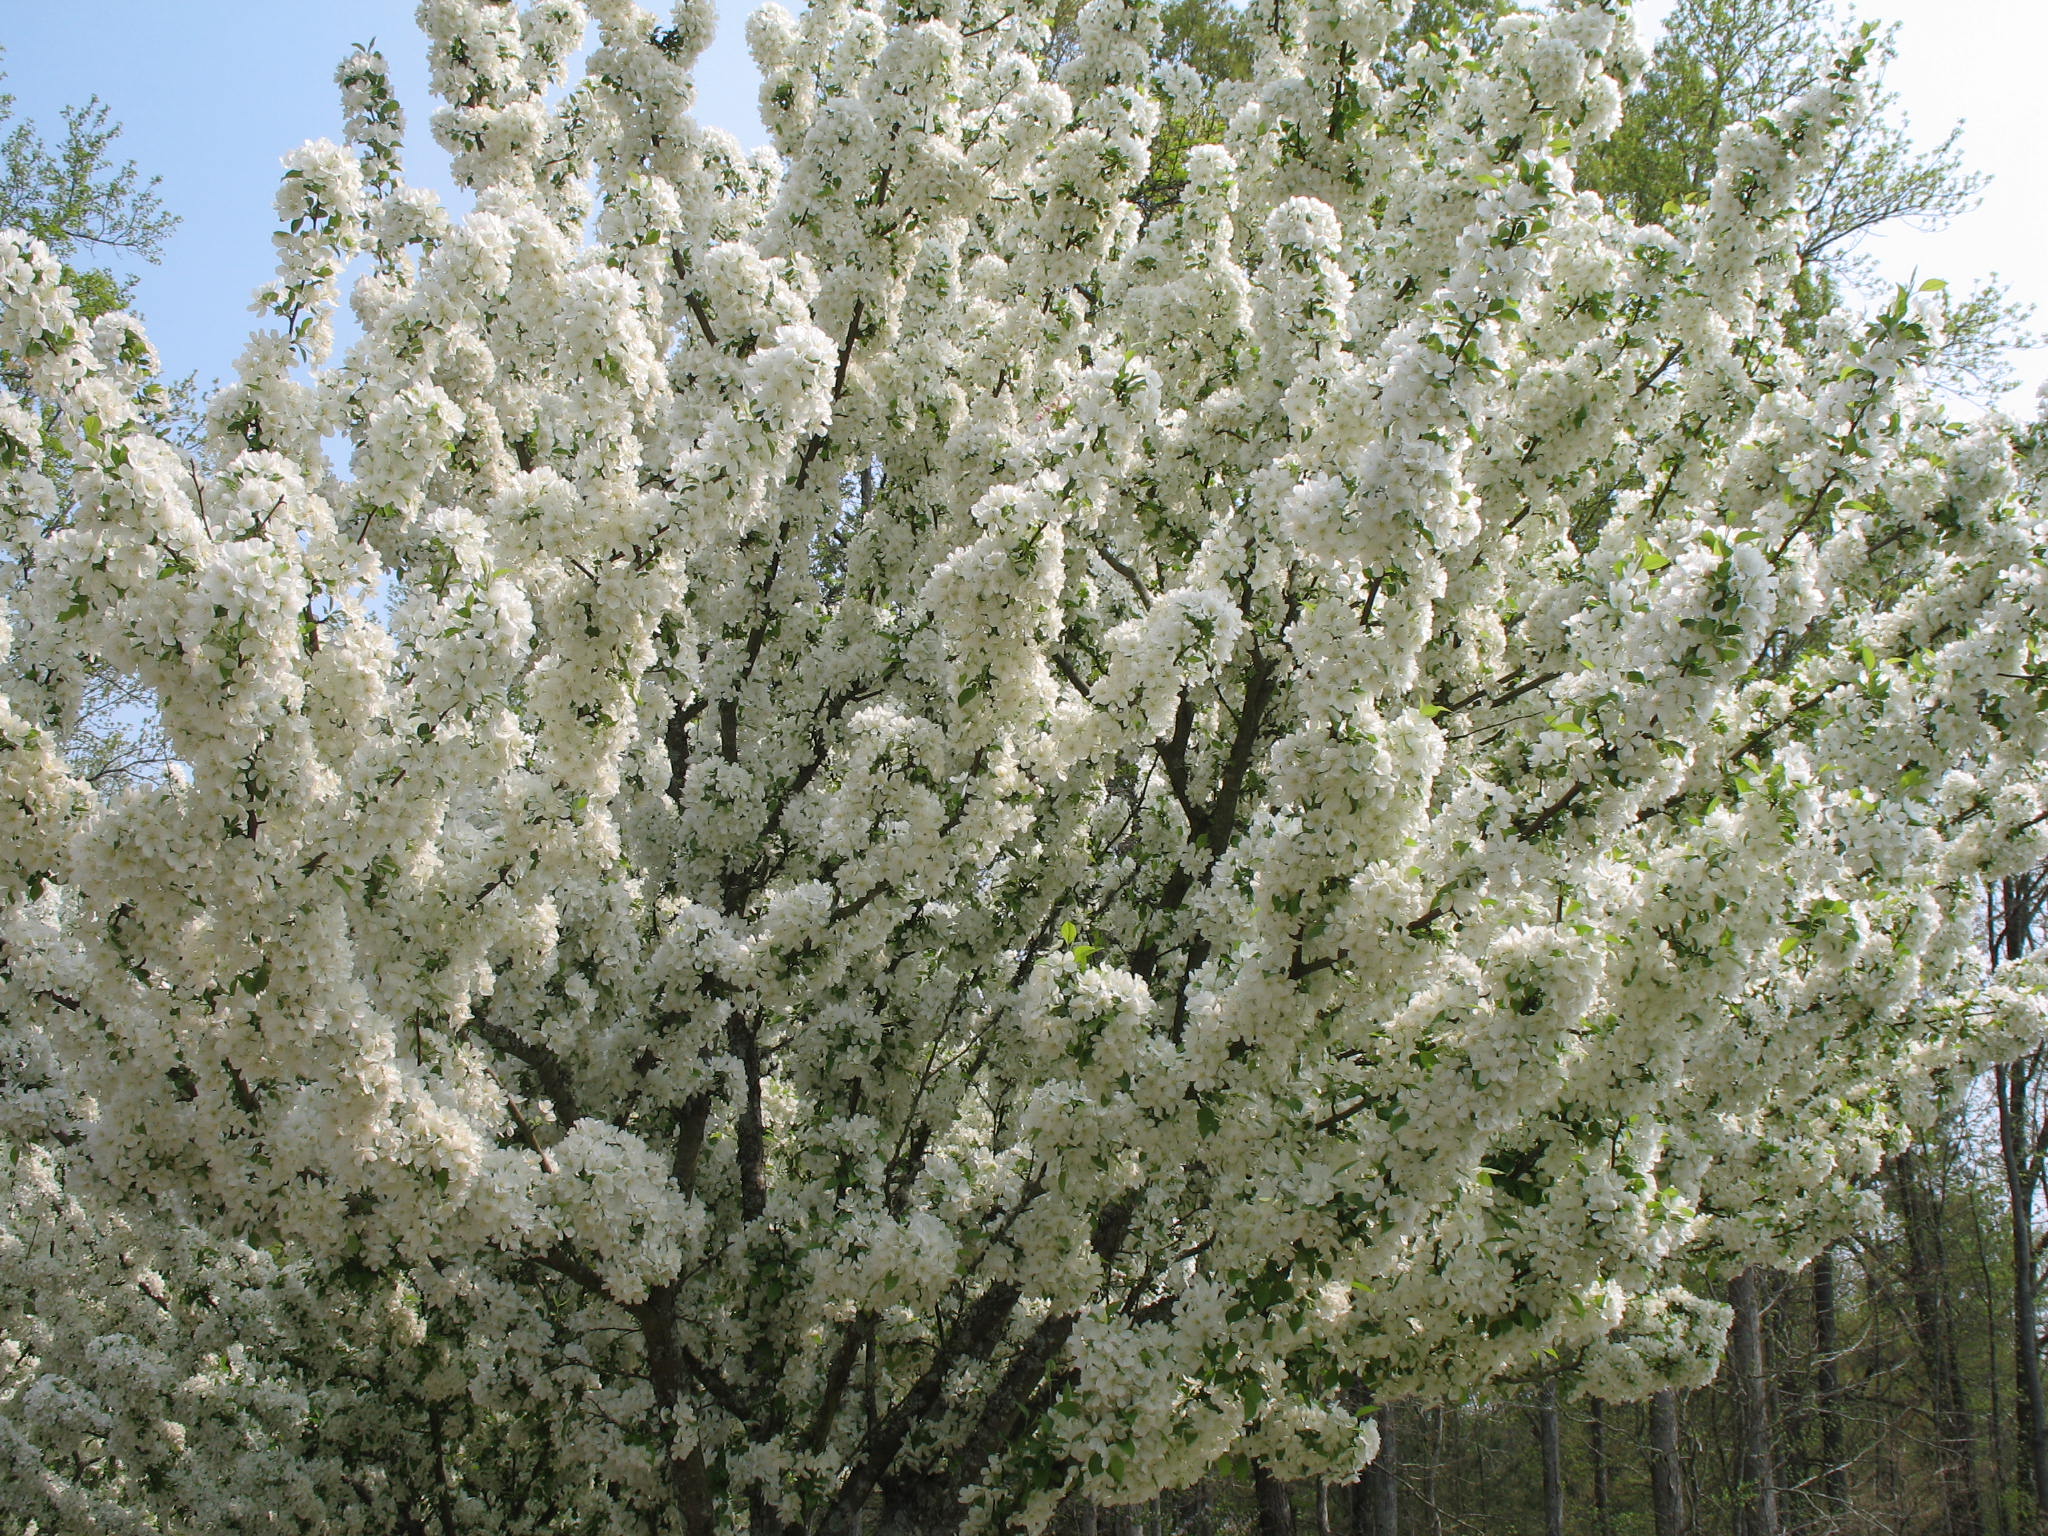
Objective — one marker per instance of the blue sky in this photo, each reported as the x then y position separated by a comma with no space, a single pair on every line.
213,91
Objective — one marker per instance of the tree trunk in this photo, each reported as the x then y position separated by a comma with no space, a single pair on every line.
1090,1521
1432,1490
1603,1508
1827,1384
1667,1487
688,1476
1376,1496
2013,1085
2002,1479
1276,1512
1927,1282
1746,1358
1550,1435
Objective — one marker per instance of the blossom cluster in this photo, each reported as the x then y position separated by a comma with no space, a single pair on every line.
907,835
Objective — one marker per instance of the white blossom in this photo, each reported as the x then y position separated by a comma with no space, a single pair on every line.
887,778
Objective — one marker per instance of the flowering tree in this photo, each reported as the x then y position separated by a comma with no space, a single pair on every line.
910,840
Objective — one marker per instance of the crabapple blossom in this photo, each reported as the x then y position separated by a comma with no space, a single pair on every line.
893,838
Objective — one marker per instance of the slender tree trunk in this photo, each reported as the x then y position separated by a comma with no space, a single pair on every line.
1827,1385
1090,1521
1667,1486
1549,1434
1276,1511
2013,912
1746,1358
1433,1491
2002,1479
1927,1281
1376,1496
2013,1085
1323,1527
1603,1504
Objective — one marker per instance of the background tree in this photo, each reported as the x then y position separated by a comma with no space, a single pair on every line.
98,215
1724,62
2014,913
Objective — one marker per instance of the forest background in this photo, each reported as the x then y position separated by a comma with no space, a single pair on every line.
1893,1386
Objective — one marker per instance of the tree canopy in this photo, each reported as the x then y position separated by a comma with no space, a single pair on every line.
915,835
94,213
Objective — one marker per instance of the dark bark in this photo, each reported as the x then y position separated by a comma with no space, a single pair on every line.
1603,1498
1667,1487
1376,1497
691,1120
1276,1513
688,1478
1927,1284
750,1134
1432,1491
2014,1085
2001,1469
1746,1360
1550,1436
2015,907
1827,1384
